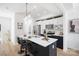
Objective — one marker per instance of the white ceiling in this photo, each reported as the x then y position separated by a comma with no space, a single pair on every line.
15,7
68,6
36,10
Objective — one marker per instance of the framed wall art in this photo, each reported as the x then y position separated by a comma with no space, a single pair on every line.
74,26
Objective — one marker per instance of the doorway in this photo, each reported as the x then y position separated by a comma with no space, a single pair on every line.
5,29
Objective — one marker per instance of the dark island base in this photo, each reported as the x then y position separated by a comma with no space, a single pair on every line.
38,50
59,41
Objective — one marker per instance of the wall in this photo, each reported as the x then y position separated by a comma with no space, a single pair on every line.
5,27
71,40
19,18
11,16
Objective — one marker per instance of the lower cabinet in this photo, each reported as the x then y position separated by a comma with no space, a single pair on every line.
38,50
59,41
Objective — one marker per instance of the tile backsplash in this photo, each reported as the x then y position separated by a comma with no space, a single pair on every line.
57,29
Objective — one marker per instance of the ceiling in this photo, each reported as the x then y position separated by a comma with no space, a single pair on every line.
39,10
36,10
15,7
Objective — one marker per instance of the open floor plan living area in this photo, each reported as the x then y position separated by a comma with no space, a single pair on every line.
39,29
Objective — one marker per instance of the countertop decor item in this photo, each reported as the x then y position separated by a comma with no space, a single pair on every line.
45,36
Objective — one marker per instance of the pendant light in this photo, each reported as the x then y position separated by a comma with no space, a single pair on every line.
27,23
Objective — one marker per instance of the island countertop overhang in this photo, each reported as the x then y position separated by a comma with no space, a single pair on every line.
38,40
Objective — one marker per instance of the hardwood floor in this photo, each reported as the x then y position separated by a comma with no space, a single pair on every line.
70,52
8,49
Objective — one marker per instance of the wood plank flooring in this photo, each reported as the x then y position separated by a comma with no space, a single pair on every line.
70,52
8,49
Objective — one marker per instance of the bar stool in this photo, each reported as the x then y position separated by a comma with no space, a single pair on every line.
19,42
24,46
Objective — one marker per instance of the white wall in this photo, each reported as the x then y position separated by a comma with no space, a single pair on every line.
19,19
5,27
71,40
5,23
10,15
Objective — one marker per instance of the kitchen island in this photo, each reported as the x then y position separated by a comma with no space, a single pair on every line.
43,47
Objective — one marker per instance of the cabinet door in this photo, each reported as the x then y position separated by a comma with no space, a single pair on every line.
52,49
44,51
60,42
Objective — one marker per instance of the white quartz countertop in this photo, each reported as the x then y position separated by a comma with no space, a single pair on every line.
38,40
